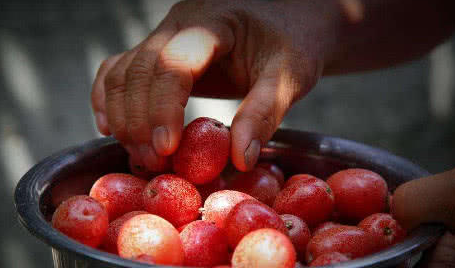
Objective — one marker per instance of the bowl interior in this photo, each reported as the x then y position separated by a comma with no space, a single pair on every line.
75,169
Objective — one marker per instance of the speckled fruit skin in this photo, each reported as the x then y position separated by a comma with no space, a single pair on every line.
274,170
250,215
300,178
329,258
219,204
324,227
310,200
83,219
110,240
258,183
216,185
299,233
145,259
348,240
265,248
358,193
119,193
204,244
152,235
203,151
172,198
383,226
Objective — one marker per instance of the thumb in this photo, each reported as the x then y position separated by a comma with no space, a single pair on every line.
277,87
429,199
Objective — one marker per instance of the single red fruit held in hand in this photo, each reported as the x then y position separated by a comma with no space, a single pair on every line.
172,198
267,248
216,185
250,215
324,227
203,151
348,240
383,226
119,193
329,258
299,233
358,193
110,240
83,219
258,183
219,204
311,200
204,244
152,235
274,170
145,259
300,178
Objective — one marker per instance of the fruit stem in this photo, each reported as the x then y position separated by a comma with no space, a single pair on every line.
387,231
289,225
201,210
152,193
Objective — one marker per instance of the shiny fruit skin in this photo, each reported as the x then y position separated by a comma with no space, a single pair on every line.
119,193
173,198
83,219
265,248
383,226
152,235
358,193
204,244
298,232
328,259
110,240
216,185
274,170
218,205
203,151
258,183
300,178
348,240
250,215
312,201
324,227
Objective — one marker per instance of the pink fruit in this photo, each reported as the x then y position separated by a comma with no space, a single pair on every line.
274,170
299,233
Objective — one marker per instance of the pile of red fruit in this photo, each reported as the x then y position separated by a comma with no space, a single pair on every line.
205,214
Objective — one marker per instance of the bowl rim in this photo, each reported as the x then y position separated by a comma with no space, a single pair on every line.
27,196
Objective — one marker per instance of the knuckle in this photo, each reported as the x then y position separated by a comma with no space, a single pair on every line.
138,129
114,82
138,71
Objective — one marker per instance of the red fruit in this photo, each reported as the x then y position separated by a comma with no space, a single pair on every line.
324,227
144,168
349,240
204,244
311,200
180,229
258,183
203,151
299,233
264,248
216,185
74,185
358,193
329,258
274,170
83,219
140,170
250,215
152,235
219,204
119,193
110,240
145,259
172,198
300,178
383,226
222,266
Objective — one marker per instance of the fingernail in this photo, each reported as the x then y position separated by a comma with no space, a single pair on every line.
161,140
252,153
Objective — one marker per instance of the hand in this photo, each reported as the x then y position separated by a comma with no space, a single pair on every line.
270,53
429,199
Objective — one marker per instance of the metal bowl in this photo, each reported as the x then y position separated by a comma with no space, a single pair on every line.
294,151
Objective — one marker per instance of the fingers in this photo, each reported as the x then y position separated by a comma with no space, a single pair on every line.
98,94
443,255
424,200
263,109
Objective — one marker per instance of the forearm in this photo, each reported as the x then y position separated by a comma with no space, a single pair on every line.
374,34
